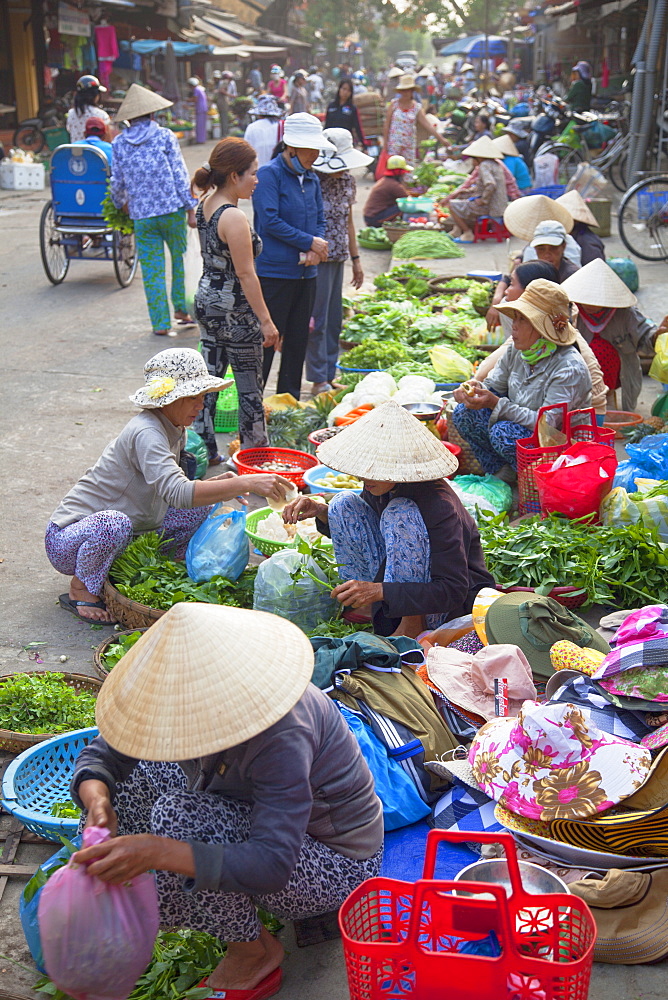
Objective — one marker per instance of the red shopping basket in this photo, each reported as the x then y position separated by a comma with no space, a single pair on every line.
412,940
530,454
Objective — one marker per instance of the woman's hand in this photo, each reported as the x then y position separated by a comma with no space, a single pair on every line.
493,318
267,485
122,858
97,801
461,395
320,247
358,275
303,507
358,593
311,259
192,218
482,399
270,335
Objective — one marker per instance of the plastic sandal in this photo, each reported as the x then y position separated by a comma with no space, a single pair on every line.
270,985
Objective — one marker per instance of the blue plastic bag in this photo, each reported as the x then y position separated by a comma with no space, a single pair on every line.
651,454
28,908
219,547
626,475
402,804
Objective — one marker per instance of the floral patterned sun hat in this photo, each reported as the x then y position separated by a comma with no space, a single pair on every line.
553,762
637,665
173,374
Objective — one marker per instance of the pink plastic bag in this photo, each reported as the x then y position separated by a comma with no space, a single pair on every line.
97,938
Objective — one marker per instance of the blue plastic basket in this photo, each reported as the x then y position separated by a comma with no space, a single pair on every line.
318,472
551,191
651,202
41,776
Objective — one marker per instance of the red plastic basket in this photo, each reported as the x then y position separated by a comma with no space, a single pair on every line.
570,597
406,940
249,459
530,454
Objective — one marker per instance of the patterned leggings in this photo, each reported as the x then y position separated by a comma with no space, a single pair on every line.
87,548
493,446
154,799
151,236
363,542
243,349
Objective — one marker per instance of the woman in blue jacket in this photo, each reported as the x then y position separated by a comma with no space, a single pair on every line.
290,220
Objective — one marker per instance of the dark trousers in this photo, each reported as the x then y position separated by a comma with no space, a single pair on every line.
391,212
290,303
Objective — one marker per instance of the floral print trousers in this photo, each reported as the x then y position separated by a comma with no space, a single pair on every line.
493,446
150,237
87,548
398,538
154,799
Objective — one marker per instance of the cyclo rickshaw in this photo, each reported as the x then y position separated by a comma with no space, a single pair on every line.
72,226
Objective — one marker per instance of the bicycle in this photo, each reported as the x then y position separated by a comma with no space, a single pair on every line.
612,159
643,218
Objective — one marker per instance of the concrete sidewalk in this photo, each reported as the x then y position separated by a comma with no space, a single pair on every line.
72,354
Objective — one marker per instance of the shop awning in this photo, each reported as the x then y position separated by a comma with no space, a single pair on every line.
269,38
224,30
248,51
152,46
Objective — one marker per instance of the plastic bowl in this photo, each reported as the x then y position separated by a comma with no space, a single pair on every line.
317,473
614,420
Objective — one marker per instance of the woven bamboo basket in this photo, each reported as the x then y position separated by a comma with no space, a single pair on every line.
468,463
104,645
14,742
130,613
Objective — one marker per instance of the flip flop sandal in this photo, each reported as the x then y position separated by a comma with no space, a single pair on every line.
165,333
456,239
186,322
68,604
270,985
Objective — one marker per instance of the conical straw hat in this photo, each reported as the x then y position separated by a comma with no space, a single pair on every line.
139,101
203,678
596,284
388,445
578,207
505,145
483,149
523,215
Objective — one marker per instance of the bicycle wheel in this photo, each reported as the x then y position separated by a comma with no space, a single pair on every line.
125,258
617,171
29,137
569,160
54,257
643,218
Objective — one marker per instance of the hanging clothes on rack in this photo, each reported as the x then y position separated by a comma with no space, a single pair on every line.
107,51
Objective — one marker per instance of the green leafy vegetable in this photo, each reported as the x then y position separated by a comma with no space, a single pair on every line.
427,243
44,703
118,649
116,218
410,270
65,810
374,354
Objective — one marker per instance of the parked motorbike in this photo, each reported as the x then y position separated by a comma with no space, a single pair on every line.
29,134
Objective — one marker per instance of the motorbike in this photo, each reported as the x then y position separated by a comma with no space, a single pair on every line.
29,134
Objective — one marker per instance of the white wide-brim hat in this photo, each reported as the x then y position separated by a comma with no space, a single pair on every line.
596,284
346,156
204,678
173,374
405,82
139,102
389,445
304,131
523,215
483,149
578,207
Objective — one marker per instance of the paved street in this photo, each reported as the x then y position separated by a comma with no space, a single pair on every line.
72,354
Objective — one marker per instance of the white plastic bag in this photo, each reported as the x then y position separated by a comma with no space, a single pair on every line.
192,265
282,589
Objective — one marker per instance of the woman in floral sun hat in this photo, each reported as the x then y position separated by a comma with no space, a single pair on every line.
137,484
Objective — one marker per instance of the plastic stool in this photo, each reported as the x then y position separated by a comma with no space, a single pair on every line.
488,227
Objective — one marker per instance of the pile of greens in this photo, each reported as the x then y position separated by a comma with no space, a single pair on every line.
116,650
116,218
414,368
44,703
145,573
427,243
624,566
375,236
374,354
65,810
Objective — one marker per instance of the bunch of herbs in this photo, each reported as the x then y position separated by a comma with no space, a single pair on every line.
44,703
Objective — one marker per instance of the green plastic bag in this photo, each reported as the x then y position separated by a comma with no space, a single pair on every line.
489,488
195,445
625,269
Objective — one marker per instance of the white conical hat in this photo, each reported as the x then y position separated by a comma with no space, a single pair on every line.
523,215
388,445
596,284
483,149
578,207
203,678
140,101
505,145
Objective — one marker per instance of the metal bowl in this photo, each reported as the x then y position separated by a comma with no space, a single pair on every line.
423,411
535,880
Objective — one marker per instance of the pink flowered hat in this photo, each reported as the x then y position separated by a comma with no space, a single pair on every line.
552,762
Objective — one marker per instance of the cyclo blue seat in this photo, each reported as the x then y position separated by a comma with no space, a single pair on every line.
79,178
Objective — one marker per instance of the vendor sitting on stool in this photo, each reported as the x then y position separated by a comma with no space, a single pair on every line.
381,204
541,368
137,484
221,768
406,547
